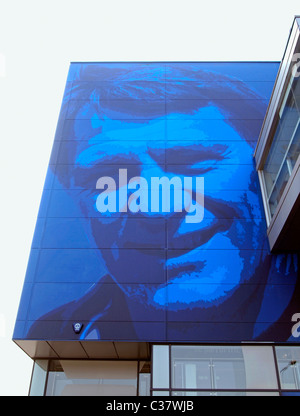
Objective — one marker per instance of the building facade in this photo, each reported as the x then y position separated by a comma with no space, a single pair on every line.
165,259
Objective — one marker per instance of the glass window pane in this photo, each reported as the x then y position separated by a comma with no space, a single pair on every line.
229,373
223,393
260,367
190,367
288,359
294,149
201,367
144,384
160,366
160,393
278,188
144,378
193,393
262,393
213,367
38,380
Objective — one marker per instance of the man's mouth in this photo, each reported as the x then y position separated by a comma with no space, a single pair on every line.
177,269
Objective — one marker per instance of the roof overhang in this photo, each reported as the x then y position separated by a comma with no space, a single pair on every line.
38,349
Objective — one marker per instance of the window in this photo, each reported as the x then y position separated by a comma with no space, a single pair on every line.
288,359
144,378
214,370
177,370
161,366
38,379
234,368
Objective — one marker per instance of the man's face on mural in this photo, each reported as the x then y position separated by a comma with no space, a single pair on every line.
157,274
158,257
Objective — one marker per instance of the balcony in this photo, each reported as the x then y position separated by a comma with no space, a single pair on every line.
277,152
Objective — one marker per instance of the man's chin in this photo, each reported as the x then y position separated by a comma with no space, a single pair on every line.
189,295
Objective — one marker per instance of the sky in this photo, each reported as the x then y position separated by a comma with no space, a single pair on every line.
38,40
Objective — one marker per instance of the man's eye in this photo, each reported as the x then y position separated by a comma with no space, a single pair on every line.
188,170
196,154
88,177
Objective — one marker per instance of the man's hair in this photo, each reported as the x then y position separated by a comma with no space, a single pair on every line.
109,88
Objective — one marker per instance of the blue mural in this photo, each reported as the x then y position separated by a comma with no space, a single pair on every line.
132,258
